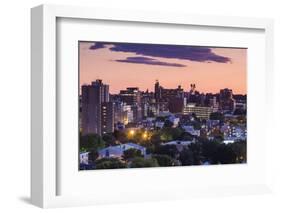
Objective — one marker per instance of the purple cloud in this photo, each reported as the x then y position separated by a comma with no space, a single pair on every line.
149,61
97,45
192,53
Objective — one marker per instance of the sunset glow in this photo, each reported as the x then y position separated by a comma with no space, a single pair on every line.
122,68
159,105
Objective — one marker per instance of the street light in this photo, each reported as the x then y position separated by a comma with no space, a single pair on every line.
145,135
132,132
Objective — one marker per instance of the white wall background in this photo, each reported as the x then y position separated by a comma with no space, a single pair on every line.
15,104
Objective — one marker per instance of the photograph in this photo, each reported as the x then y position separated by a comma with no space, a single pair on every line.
161,105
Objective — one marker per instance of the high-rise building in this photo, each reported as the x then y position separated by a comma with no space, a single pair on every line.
168,99
214,104
226,99
107,117
199,111
122,113
162,94
176,104
172,93
131,96
97,111
193,96
157,91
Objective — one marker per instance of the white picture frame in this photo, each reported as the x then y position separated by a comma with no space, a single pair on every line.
44,154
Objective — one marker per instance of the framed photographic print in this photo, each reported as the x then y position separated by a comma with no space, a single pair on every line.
135,121
148,105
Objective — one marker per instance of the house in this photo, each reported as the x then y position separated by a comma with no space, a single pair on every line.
84,158
173,119
191,130
118,150
235,133
213,123
159,124
179,144
228,141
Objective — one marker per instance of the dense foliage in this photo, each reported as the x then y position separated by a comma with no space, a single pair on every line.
201,151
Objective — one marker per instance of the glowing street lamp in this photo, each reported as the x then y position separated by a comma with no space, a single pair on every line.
132,132
145,135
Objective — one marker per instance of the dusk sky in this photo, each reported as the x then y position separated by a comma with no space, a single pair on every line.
124,65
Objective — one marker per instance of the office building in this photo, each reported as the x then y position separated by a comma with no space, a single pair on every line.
107,117
226,100
131,96
97,116
199,111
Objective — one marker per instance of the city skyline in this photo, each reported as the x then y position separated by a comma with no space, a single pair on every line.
155,105
187,89
203,66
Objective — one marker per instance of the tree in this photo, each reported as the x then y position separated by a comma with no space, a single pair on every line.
217,134
140,162
186,136
164,160
131,153
224,154
165,136
168,133
176,133
150,147
240,150
156,138
91,142
168,124
196,149
170,150
138,138
216,116
93,155
120,136
109,139
110,163
209,148
186,157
